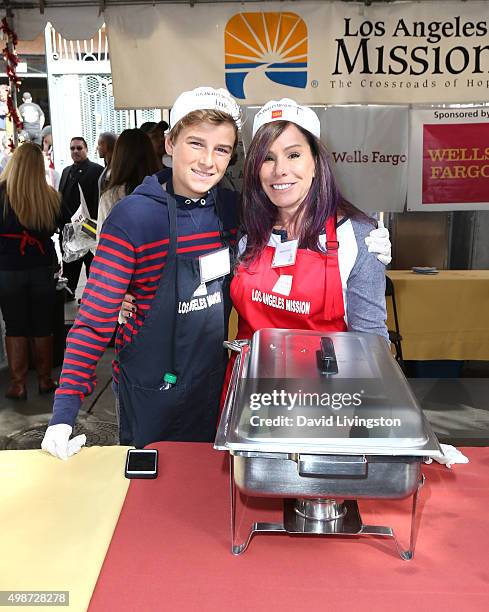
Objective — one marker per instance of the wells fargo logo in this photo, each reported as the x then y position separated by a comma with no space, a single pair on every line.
273,43
455,163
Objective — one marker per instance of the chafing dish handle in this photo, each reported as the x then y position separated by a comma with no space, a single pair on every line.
326,357
235,345
332,466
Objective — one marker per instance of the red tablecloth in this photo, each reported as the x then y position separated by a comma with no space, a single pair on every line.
171,547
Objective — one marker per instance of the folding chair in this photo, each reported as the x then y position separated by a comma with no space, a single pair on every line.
395,334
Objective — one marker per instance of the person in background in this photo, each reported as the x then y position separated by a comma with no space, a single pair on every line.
105,149
29,213
52,176
47,142
5,152
156,131
32,118
83,173
132,161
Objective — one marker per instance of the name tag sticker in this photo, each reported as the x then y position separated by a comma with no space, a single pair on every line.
214,265
283,285
285,254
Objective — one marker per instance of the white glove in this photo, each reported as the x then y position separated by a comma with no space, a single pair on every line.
57,441
451,455
378,242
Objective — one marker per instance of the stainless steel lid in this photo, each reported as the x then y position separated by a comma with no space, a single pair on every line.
317,392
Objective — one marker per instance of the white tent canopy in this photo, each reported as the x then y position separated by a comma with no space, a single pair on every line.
73,22
75,19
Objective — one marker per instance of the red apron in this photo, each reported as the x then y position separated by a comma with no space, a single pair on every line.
25,239
315,300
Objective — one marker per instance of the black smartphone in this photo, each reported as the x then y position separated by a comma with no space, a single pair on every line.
142,463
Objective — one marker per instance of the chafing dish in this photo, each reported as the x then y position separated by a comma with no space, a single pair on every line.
321,420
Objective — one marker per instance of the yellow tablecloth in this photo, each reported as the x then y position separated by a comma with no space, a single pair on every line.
444,315
57,519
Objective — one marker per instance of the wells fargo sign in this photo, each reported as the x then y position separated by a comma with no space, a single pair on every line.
449,152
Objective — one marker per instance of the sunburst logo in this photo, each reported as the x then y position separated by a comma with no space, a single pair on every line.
275,43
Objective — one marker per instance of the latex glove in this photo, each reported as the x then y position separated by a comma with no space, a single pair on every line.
378,242
128,309
451,455
57,441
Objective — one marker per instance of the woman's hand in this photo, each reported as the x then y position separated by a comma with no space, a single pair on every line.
378,242
128,308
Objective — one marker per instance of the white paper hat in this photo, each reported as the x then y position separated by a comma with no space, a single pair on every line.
287,110
204,98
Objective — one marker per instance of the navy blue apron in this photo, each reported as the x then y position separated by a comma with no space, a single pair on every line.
183,337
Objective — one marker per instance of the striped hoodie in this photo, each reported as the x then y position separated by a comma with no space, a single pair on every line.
130,258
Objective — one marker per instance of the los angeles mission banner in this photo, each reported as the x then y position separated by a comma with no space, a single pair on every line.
449,159
313,52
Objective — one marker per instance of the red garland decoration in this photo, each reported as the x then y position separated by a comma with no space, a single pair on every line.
11,59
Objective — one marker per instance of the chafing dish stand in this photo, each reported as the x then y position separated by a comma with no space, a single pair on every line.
325,517
343,425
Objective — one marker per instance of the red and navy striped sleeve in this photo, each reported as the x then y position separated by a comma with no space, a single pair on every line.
110,276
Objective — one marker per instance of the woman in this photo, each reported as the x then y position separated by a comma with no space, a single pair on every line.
304,242
133,159
29,213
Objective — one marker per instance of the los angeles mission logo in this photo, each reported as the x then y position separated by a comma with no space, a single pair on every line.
280,303
200,303
275,43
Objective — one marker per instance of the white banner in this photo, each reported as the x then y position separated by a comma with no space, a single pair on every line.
449,159
314,52
368,152
368,149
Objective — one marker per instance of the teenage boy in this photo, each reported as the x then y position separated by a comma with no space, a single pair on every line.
169,246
